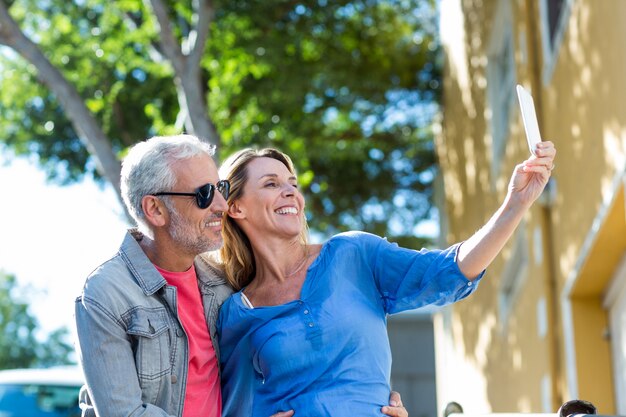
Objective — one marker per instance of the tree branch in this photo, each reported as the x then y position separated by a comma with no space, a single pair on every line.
204,17
86,126
187,69
171,48
7,25
153,52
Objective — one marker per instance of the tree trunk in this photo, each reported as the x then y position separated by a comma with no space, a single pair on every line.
187,68
192,100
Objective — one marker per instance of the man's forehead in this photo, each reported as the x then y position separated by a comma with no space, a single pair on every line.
197,169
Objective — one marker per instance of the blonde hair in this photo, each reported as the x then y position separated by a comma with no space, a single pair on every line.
236,254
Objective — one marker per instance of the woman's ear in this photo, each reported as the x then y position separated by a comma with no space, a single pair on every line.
235,211
154,210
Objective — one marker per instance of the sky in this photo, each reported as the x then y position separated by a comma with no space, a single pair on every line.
53,236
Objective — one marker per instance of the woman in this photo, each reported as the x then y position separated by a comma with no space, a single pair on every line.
307,330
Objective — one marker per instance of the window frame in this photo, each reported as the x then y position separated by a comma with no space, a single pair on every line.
552,47
501,86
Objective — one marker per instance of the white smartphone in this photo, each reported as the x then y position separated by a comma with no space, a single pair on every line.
529,117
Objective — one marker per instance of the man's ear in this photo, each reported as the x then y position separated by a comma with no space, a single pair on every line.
235,211
154,210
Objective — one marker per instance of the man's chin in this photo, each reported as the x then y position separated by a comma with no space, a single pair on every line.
213,245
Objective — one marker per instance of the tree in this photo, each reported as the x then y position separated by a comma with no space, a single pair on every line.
19,347
348,88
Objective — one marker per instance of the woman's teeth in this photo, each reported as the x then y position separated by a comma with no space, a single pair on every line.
287,210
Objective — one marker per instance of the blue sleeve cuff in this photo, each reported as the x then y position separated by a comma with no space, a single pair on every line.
441,282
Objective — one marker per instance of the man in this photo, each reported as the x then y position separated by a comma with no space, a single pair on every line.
146,317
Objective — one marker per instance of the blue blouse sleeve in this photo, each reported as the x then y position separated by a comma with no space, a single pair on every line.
408,279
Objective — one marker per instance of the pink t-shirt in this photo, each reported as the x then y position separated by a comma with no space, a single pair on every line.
202,396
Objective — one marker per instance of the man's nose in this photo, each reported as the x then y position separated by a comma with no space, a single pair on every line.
219,203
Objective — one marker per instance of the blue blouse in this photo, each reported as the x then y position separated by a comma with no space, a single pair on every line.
327,353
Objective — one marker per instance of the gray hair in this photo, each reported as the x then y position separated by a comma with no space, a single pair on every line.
146,169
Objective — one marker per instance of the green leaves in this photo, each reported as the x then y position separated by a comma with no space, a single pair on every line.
346,91
19,348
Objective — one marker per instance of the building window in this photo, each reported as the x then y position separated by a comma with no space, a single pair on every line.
513,276
554,8
500,82
554,17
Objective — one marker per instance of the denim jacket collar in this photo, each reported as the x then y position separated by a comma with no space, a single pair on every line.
147,276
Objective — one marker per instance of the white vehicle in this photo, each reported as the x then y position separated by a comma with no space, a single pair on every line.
51,392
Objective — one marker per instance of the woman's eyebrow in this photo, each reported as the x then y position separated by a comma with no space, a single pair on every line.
293,177
268,175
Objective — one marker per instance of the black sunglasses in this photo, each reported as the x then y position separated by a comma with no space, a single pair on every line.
204,194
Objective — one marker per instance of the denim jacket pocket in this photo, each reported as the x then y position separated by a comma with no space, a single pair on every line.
148,330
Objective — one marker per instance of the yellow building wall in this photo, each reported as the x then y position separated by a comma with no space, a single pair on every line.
511,365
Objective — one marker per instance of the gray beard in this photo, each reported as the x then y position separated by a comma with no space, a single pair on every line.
186,238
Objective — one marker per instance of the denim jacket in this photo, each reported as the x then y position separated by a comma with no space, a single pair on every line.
131,344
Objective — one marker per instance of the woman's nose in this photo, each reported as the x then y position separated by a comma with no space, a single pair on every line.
288,190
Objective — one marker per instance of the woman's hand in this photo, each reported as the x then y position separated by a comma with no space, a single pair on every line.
395,407
531,176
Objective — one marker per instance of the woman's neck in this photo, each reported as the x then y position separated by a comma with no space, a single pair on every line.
279,260
281,269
